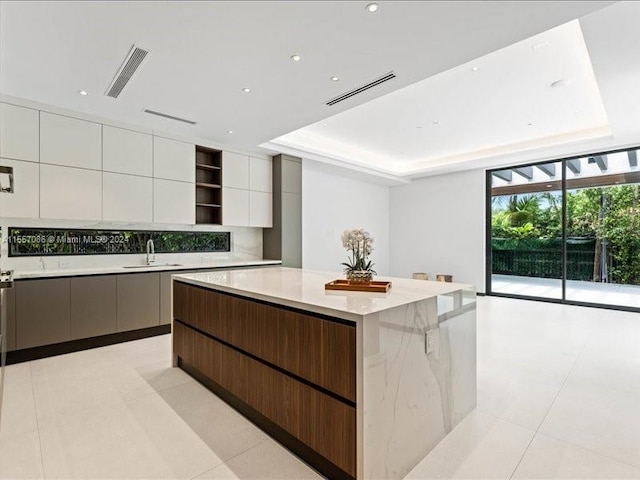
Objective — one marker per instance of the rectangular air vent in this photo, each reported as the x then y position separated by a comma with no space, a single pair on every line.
356,91
170,117
127,69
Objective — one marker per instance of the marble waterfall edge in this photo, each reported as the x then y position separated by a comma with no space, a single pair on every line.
411,398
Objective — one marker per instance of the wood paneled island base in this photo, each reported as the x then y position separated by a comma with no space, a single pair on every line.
265,361
359,385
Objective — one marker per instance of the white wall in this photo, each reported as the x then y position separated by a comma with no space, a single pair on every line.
437,225
333,201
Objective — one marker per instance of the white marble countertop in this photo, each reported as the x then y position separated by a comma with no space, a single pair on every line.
304,289
160,267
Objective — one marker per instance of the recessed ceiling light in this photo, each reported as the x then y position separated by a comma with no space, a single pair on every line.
549,185
372,7
296,58
246,90
229,132
334,79
435,122
84,93
563,82
418,126
540,45
475,69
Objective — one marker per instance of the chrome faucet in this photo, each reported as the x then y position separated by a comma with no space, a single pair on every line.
151,252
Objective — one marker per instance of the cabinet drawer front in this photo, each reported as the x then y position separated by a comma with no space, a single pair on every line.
19,133
318,350
323,423
126,151
42,312
70,142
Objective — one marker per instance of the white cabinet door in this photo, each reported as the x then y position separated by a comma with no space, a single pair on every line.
19,132
127,198
70,142
126,151
260,209
173,160
235,170
70,193
25,201
260,174
235,206
174,202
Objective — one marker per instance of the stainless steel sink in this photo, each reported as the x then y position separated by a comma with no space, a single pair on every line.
155,265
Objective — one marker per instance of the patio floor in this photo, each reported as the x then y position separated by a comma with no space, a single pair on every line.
592,292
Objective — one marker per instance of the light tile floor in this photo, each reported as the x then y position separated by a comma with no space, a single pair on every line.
558,397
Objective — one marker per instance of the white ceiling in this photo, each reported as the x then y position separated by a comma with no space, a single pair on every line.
500,103
204,53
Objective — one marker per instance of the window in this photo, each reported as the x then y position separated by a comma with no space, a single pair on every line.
567,230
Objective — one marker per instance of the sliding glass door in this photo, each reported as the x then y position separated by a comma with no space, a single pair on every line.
603,215
567,230
526,231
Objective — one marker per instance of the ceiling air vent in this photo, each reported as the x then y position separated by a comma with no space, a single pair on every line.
127,69
386,77
170,117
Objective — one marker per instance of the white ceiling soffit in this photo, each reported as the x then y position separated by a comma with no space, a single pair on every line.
204,53
536,93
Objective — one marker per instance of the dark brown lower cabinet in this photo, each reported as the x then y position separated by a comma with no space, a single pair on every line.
43,312
311,408
93,306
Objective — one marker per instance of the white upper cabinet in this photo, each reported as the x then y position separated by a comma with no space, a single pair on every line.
70,193
235,170
235,206
260,209
70,142
19,132
24,202
174,202
126,151
174,160
127,198
260,174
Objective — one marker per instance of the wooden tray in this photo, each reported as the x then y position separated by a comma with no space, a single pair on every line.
373,286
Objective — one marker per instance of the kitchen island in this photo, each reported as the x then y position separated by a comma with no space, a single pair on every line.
359,385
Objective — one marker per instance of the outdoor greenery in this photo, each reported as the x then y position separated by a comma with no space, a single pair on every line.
599,219
47,241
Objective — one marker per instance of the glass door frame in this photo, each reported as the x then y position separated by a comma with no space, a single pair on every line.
488,230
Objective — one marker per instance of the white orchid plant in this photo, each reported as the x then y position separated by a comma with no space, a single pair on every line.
359,243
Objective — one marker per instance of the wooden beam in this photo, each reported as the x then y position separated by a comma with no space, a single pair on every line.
633,158
548,169
526,172
572,184
506,175
574,166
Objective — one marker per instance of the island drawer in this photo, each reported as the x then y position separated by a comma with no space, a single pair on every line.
325,424
315,348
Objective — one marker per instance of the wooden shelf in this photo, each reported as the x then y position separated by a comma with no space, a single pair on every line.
208,186
207,167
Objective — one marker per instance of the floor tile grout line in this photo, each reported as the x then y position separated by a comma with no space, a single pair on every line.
552,404
224,462
493,415
621,462
35,409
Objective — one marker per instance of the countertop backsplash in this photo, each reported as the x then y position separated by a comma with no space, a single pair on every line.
246,244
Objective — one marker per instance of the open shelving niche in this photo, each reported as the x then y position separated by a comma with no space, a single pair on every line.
208,186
